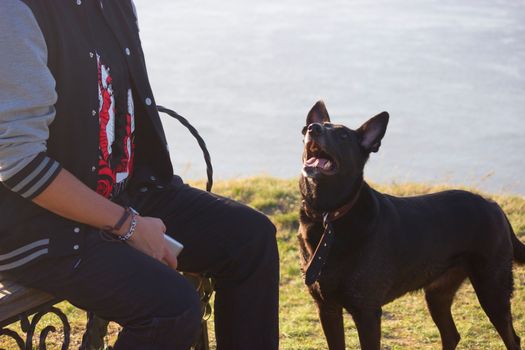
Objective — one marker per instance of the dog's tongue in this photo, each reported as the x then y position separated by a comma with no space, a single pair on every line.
319,163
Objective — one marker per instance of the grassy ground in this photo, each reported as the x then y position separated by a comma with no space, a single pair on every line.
406,323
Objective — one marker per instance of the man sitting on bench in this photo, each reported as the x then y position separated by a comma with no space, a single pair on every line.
88,190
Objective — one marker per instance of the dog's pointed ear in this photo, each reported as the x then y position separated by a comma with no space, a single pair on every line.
372,132
318,114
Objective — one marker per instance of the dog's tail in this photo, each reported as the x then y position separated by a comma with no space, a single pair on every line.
517,245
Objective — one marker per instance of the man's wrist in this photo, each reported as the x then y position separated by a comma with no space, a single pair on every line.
123,224
128,229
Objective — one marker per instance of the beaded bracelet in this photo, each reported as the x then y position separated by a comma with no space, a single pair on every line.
132,226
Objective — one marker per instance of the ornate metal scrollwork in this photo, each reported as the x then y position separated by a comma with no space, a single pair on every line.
13,335
30,328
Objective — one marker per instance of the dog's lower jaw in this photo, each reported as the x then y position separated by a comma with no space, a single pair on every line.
316,173
310,172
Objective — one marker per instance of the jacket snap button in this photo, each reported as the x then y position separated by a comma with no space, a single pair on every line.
76,246
76,230
147,101
143,189
91,53
93,168
153,178
128,52
93,113
79,2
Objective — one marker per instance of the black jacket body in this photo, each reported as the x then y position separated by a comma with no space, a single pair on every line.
27,231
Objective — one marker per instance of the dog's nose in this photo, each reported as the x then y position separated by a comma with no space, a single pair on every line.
315,128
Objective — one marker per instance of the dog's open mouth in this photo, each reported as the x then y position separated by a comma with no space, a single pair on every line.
318,159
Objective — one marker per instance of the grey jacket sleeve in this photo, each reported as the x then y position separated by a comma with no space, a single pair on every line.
27,98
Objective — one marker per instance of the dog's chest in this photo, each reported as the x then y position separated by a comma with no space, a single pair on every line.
353,274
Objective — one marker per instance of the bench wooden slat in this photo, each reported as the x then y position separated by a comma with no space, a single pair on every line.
15,299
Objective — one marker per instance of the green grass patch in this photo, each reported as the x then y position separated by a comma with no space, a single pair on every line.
406,323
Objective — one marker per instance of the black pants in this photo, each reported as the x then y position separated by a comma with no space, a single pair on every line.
156,306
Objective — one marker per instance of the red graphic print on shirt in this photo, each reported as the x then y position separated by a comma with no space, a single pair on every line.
112,172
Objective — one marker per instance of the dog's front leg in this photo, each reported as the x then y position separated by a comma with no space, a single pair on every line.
331,316
368,324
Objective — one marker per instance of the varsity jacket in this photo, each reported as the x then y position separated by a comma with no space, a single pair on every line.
67,121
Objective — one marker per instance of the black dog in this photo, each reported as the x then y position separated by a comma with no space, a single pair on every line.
385,246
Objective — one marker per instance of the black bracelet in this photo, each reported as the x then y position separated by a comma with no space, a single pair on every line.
120,222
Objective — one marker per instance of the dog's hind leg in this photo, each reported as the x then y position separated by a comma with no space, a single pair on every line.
332,322
493,286
439,296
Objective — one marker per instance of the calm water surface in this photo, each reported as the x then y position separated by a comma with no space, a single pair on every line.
450,73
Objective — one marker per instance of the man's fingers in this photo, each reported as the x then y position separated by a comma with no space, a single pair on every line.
170,259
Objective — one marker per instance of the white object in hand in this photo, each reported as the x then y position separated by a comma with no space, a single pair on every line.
174,245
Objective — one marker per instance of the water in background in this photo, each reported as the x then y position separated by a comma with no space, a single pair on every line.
450,73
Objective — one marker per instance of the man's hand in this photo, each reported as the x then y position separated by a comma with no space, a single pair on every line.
149,239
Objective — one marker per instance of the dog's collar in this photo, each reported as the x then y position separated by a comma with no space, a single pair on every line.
320,255
335,214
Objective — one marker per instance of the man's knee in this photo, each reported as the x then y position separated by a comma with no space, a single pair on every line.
262,243
173,324
262,229
257,255
176,328
179,331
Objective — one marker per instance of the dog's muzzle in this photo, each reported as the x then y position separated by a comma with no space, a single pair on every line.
316,159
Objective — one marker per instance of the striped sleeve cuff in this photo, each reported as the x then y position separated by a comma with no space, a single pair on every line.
34,177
